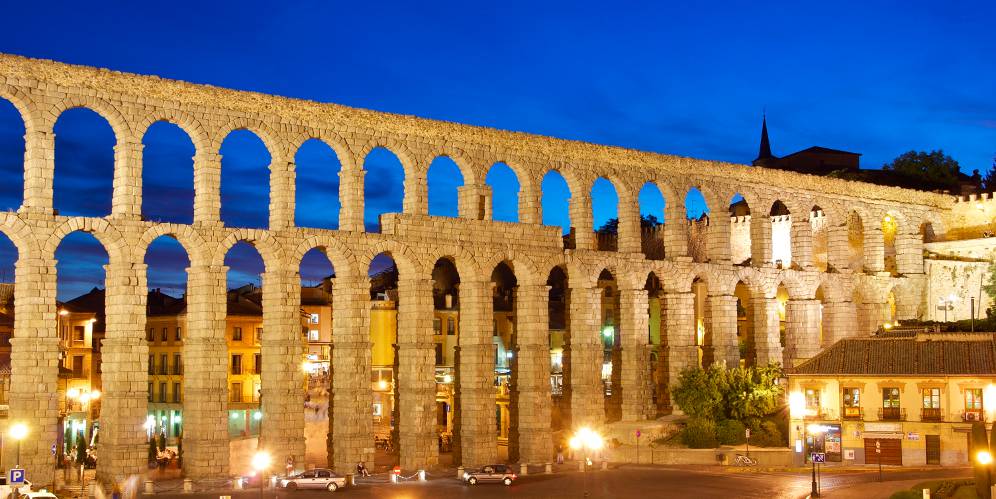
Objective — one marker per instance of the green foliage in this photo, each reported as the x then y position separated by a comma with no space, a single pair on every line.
752,393
81,448
153,450
989,179
699,434
767,435
611,226
934,167
699,392
731,432
990,285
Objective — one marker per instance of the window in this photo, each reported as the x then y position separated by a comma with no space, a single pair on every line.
931,398
237,334
450,326
236,364
79,334
150,335
973,403
258,363
259,335
313,319
178,336
313,335
164,337
437,326
439,354
377,411
177,364
163,364
852,402
176,392
812,401
77,366
890,398
152,364
150,392
236,394
162,392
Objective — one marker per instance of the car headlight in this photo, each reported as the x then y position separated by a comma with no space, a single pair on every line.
466,475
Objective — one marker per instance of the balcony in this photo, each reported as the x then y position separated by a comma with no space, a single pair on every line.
891,414
931,414
855,413
973,415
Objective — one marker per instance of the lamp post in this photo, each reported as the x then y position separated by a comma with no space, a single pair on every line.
18,432
985,458
587,440
814,430
260,462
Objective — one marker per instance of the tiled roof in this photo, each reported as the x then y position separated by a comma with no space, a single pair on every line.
904,357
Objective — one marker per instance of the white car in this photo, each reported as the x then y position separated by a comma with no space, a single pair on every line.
318,478
41,494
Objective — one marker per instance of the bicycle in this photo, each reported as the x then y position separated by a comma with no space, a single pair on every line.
743,460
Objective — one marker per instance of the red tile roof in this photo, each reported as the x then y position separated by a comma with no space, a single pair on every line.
905,357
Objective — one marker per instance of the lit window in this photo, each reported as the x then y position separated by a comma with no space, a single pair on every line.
314,319
313,335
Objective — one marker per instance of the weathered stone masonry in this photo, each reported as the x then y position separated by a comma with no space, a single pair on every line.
41,90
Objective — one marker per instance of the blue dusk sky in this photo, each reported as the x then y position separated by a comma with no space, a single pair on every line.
689,78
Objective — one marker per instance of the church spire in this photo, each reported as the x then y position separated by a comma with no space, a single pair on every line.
764,152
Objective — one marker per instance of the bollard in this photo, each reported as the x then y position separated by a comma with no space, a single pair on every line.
237,484
605,465
460,472
148,487
188,486
350,479
523,469
548,468
394,478
421,475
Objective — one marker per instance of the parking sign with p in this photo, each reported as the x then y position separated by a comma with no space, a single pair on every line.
16,476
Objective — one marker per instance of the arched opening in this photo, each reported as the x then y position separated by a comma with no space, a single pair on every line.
658,344
84,164
383,274
244,335
556,198
745,325
889,314
559,317
820,297
167,174
445,337
782,298
697,214
821,241
383,187
245,181
605,214
317,278
11,156
740,245
890,227
81,323
8,260
443,182
651,221
855,243
781,235
503,337
927,232
703,337
165,321
611,346
317,202
504,193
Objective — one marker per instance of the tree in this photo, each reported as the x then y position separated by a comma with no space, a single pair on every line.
699,392
989,180
933,168
81,448
153,450
611,226
752,393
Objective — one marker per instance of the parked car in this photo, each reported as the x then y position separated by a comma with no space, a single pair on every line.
318,478
41,494
491,473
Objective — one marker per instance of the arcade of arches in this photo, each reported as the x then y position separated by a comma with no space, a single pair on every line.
553,330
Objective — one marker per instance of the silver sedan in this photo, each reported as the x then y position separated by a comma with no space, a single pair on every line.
318,478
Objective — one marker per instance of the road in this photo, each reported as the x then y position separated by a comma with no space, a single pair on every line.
626,481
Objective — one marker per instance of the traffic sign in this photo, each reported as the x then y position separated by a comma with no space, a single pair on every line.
53,449
16,476
819,457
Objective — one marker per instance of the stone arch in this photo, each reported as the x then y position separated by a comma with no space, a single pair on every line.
333,140
119,125
397,148
525,269
267,246
461,258
108,236
409,265
24,105
339,255
521,176
274,145
459,157
189,239
186,122
20,235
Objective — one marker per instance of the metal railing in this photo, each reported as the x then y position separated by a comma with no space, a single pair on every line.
930,414
891,414
852,412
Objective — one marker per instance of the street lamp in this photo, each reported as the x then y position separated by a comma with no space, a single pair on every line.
588,440
260,462
985,458
813,430
18,432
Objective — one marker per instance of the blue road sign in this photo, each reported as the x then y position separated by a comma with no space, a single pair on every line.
819,457
16,476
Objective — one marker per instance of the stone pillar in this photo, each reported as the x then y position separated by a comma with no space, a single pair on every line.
767,341
581,220
870,316
680,319
530,203
124,355
760,240
474,421
675,230
802,330
802,241
909,254
207,188
126,200
351,198
34,362
471,203
416,201
350,437
839,321
282,193
487,201
530,398
281,381
39,171
629,223
582,361
718,238
416,389
838,248
721,328
635,386
205,380
874,249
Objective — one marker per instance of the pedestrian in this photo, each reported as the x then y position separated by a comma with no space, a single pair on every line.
560,454
361,469
290,465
